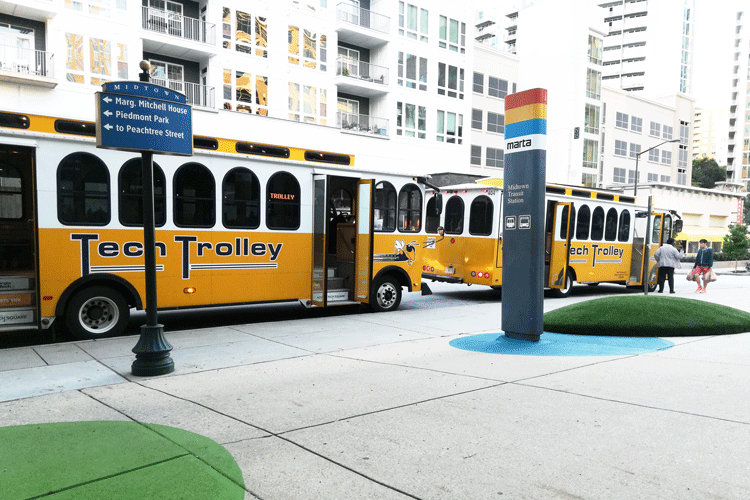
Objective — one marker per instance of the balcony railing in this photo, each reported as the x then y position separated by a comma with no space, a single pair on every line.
171,23
363,18
27,61
360,69
195,93
354,122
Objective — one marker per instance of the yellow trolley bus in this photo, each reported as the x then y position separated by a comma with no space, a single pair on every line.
591,236
236,223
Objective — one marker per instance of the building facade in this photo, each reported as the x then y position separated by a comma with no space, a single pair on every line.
711,134
384,80
738,157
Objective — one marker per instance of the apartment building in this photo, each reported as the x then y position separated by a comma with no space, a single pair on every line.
738,155
382,79
711,134
649,46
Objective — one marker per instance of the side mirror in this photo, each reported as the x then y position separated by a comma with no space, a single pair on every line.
677,227
435,209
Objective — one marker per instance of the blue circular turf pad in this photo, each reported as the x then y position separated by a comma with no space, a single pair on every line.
558,344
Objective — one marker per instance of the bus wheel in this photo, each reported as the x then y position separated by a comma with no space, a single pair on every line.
564,292
97,312
386,294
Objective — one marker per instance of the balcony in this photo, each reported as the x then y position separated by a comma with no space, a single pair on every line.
176,30
361,26
196,94
28,66
362,124
360,77
37,10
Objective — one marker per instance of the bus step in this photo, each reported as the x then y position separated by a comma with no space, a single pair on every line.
335,283
338,295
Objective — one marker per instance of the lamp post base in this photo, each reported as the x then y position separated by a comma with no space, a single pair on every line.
152,353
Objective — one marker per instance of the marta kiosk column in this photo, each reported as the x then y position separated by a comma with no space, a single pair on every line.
523,214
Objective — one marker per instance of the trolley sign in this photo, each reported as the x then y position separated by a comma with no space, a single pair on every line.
138,116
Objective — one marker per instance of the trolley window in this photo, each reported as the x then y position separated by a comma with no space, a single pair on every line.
240,206
564,231
431,222
454,215
11,197
83,190
130,198
282,202
410,209
384,207
610,226
583,223
597,224
623,233
480,216
194,196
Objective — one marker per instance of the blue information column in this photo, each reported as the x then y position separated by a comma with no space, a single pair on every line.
523,214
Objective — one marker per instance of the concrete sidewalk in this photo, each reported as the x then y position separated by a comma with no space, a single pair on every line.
379,406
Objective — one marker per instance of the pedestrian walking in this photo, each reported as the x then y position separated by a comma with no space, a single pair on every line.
702,268
667,258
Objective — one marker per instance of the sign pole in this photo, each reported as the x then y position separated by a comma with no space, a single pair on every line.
152,350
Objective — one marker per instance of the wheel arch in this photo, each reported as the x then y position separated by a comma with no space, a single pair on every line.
403,278
123,286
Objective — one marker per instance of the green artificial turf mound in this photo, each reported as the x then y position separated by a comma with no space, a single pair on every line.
114,460
646,316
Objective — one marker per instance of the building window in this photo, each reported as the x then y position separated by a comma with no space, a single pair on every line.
415,75
450,127
478,83
409,209
619,175
593,84
241,91
480,216
454,215
655,130
476,119
631,177
653,177
494,158
595,49
634,149
83,190
636,124
495,123
681,176
130,200
282,202
497,87
653,155
685,132
621,148
621,120
667,132
250,36
409,25
450,37
682,158
664,178
308,47
313,103
240,199
476,155
591,119
411,120
590,150
384,207
588,180
194,196
455,81
666,157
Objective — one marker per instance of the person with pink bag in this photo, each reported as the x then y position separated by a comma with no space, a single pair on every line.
702,268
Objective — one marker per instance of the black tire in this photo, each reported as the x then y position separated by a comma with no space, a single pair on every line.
97,312
564,292
386,294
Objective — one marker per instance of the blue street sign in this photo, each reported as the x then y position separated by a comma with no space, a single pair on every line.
129,119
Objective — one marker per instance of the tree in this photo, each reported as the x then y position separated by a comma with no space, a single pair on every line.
736,243
706,173
746,211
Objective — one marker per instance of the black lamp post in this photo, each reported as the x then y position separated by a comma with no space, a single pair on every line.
638,156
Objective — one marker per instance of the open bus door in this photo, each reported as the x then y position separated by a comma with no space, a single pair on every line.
318,281
18,250
560,249
363,258
639,247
